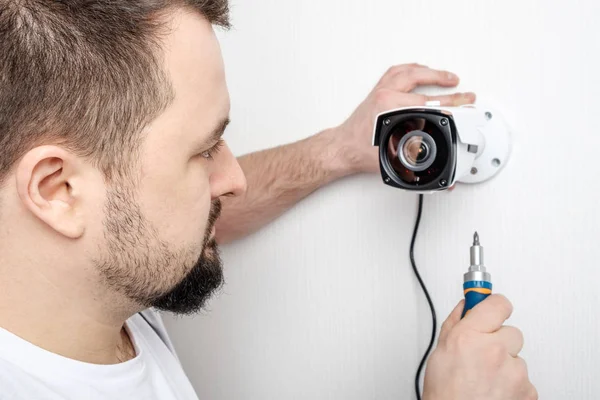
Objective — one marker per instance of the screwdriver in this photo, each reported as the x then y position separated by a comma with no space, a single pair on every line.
477,281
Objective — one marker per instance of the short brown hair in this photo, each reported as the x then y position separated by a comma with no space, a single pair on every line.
84,74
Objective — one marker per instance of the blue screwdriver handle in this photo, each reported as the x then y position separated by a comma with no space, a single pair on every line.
475,293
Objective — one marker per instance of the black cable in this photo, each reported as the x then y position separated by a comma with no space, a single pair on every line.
433,317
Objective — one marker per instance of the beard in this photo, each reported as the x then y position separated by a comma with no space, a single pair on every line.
149,271
206,276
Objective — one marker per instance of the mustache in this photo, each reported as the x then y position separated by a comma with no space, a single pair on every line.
215,212
213,216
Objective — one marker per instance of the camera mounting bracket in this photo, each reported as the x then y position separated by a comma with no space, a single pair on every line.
488,140
494,152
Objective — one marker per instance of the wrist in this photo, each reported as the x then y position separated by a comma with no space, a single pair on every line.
336,156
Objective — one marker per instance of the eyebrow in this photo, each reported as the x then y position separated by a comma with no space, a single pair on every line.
218,132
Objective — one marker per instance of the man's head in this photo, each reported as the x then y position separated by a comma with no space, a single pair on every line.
112,165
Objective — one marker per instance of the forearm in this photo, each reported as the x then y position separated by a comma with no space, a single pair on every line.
278,178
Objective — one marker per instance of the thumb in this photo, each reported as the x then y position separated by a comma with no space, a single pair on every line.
452,320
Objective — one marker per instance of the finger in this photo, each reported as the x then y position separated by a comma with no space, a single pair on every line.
512,338
387,99
455,100
395,69
452,320
407,79
489,315
518,374
532,394
519,365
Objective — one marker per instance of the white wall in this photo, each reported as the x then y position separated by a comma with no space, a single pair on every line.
316,310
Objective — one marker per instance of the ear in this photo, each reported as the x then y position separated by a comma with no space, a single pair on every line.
43,176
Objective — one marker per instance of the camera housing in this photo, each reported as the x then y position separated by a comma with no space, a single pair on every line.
430,148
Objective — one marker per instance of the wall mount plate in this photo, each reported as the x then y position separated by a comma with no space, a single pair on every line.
495,152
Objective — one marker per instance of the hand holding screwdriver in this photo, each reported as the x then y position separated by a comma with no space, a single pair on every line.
478,358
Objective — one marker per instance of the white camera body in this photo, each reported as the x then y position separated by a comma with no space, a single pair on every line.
429,148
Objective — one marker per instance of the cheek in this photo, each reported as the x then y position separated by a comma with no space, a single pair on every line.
177,201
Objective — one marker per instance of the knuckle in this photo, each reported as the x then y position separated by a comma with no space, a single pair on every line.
515,333
459,341
532,394
521,369
520,335
497,354
382,96
445,326
393,70
411,73
502,304
520,377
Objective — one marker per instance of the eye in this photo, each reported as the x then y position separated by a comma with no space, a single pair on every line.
210,153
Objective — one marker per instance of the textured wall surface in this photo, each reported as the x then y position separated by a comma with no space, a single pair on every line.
322,304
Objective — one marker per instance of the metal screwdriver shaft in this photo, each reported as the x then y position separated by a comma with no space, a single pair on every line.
477,281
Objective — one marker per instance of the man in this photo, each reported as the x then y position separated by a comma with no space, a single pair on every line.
113,170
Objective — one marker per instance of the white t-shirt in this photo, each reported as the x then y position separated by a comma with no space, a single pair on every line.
28,372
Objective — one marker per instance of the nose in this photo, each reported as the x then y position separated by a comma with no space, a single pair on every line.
227,177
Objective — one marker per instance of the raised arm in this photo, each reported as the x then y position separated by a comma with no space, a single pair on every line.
280,177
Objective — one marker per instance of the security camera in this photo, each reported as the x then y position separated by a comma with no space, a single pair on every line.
430,148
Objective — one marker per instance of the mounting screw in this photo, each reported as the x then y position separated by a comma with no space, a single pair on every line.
443,182
387,179
387,121
444,121
488,115
496,162
474,171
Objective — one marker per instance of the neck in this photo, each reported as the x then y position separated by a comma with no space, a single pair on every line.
50,314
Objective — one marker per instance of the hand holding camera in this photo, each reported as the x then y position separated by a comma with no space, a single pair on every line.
395,89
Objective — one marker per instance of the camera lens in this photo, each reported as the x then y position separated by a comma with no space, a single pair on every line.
417,150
